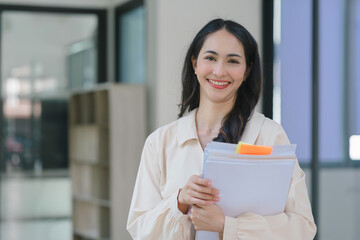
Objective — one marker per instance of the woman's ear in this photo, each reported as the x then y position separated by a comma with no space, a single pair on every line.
194,63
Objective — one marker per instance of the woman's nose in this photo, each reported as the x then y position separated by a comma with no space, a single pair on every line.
219,70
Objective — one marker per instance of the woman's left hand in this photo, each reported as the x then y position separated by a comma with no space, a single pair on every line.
208,218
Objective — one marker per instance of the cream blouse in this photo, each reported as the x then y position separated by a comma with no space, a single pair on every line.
173,153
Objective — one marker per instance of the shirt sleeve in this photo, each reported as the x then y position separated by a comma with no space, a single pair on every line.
296,222
151,216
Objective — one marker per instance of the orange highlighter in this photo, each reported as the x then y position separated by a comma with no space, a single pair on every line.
244,148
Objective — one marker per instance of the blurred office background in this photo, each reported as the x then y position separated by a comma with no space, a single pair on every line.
51,49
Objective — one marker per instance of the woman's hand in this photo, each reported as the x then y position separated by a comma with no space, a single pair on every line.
197,191
208,218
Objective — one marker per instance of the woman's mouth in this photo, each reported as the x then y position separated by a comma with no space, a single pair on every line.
219,84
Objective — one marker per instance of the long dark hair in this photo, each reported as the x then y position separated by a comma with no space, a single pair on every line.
248,93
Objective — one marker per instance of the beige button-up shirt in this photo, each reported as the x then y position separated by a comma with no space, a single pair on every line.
173,153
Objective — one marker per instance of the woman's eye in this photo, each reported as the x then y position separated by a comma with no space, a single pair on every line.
210,58
233,61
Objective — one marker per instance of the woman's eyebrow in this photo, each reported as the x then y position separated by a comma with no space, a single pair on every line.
234,55
229,55
212,52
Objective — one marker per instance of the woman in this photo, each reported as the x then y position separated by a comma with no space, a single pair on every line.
221,84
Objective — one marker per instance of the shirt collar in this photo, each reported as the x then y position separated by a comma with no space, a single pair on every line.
186,129
253,127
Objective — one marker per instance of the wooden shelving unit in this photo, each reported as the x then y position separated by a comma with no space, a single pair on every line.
107,133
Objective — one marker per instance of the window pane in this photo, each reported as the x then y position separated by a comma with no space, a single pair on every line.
296,75
132,46
331,80
354,86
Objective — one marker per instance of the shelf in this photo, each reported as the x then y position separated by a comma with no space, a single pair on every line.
89,143
87,111
82,110
106,136
90,108
102,108
91,220
91,181
74,109
78,235
92,200
104,164
102,126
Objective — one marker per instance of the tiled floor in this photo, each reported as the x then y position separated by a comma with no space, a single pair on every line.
35,208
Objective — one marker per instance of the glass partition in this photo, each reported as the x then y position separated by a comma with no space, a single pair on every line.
339,102
43,56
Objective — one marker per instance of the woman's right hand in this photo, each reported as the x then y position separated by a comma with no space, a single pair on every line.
197,191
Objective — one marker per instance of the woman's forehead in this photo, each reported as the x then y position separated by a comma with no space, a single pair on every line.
222,42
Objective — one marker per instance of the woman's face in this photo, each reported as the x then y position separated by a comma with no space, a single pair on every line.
220,67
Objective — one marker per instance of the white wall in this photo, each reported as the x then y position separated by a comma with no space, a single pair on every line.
172,26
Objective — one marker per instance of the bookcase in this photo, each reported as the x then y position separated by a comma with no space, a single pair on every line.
106,136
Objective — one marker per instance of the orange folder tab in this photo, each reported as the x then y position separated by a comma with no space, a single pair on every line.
244,148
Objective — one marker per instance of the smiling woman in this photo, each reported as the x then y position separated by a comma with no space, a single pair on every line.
231,54
220,65
221,84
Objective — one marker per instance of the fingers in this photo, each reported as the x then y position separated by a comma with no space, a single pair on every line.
197,217
208,218
198,191
200,202
204,190
203,185
205,196
200,181
193,197
201,191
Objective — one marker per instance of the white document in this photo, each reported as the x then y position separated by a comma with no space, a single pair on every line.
248,183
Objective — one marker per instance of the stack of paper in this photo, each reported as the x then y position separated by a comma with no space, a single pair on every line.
248,183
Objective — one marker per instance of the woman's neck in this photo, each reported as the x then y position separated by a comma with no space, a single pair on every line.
209,118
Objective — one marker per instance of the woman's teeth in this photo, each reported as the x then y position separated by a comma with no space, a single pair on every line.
218,83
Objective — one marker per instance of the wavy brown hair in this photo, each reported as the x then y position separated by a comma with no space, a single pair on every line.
247,96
